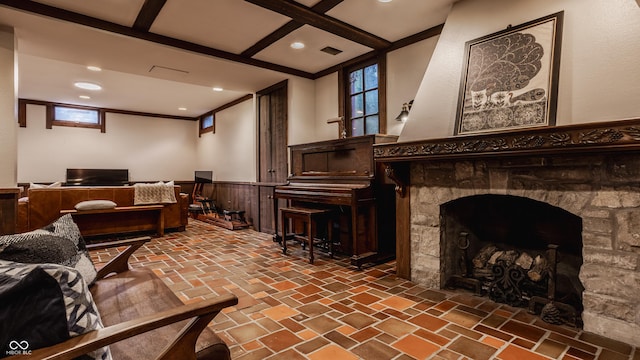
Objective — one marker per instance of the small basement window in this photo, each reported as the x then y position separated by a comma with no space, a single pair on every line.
207,123
77,117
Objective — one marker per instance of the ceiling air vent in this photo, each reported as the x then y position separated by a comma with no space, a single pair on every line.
331,50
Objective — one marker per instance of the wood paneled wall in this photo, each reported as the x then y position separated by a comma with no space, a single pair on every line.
231,196
8,210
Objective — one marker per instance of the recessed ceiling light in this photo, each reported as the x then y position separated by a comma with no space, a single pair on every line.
94,68
384,1
84,97
182,108
297,45
217,89
87,85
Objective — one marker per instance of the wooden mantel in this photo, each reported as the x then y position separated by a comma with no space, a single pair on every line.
590,138
622,135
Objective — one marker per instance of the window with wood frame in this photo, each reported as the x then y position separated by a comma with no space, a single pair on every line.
75,116
364,89
207,123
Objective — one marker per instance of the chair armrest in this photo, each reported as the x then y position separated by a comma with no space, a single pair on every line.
120,263
183,347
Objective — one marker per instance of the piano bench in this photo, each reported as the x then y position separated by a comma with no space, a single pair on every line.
311,217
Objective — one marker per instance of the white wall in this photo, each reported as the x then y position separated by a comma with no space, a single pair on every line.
326,91
599,73
8,118
151,148
405,70
230,152
301,111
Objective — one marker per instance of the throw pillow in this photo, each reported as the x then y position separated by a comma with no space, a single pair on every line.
43,186
45,304
157,193
95,205
58,243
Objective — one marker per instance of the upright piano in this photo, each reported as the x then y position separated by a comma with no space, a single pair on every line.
341,174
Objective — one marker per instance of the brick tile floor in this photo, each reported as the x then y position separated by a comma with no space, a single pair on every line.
290,309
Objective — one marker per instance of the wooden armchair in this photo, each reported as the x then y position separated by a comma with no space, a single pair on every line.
143,318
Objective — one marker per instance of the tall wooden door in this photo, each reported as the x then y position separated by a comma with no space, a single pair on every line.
272,159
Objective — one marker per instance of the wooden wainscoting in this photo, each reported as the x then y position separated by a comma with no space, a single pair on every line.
8,210
253,198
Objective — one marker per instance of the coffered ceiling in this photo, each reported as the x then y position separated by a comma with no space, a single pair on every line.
159,55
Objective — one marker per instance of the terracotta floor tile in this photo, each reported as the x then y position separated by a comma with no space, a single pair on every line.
523,330
252,345
333,352
307,334
280,312
512,352
312,345
461,318
280,340
464,331
398,303
448,355
428,322
433,337
309,289
259,354
365,334
321,324
523,343
337,338
284,285
246,333
346,330
375,350
395,327
290,354
357,320
313,309
473,349
365,298
573,343
493,332
493,342
551,348
416,347
445,306
580,354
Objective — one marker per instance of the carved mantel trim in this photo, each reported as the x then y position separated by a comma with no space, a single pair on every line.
622,135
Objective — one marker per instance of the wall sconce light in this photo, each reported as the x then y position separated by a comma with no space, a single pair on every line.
404,114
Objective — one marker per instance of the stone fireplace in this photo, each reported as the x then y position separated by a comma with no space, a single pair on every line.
584,179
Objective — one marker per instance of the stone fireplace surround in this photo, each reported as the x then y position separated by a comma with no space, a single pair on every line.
591,171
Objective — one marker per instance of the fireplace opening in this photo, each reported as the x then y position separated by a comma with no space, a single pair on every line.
514,250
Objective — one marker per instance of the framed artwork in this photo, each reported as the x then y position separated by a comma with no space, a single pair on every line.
510,78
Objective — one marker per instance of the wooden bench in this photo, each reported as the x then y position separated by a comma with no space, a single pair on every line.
143,318
311,217
122,219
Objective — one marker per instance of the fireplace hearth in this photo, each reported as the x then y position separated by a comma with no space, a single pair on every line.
588,175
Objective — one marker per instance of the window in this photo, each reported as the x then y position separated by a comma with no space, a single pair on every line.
77,116
364,98
207,123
